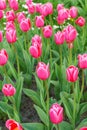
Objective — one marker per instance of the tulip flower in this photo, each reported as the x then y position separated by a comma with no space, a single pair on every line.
56,113
47,31
80,21
60,6
36,38
20,16
36,50
25,24
73,12
31,8
8,90
59,38
38,7
3,57
13,125
28,2
43,71
10,15
10,25
72,73
70,34
11,36
39,21
2,4
13,4
82,61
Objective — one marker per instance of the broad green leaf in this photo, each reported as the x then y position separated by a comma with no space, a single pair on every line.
42,101
65,126
33,95
43,116
33,126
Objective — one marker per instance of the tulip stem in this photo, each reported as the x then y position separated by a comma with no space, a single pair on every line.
55,126
70,56
60,49
5,72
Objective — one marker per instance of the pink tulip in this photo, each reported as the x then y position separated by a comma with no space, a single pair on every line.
28,2
56,113
2,4
82,61
20,16
73,12
59,38
47,31
1,14
70,34
10,15
60,6
37,39
11,36
13,4
8,90
38,7
63,14
35,49
3,57
46,9
59,21
43,71
10,25
31,8
72,73
1,36
25,24
39,21
83,128
80,21
13,125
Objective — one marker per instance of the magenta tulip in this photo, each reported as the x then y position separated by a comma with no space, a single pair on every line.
20,16
83,128
1,36
25,24
10,15
2,4
1,14
60,6
36,38
31,8
82,61
10,25
13,4
56,113
80,21
3,57
39,21
47,31
59,38
11,36
73,12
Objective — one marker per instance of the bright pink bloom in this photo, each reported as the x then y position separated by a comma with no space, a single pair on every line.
10,15
8,90
37,39
82,61
59,38
2,4
70,34
60,6
43,71
46,9
56,113
13,125
73,12
47,31
20,16
13,4
10,25
28,2
36,49
1,36
80,21
72,73
38,7
3,57
39,21
1,14
63,14
59,21
11,36
83,128
25,24
31,8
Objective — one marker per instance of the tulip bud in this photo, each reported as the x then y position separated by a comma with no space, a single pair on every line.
82,61
10,15
2,4
13,4
47,31
31,8
20,16
73,12
3,57
36,38
11,36
25,24
80,21
59,38
72,73
39,21
56,113
42,71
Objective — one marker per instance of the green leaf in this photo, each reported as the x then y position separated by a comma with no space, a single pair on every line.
83,108
33,95
43,116
6,108
65,126
42,101
33,126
